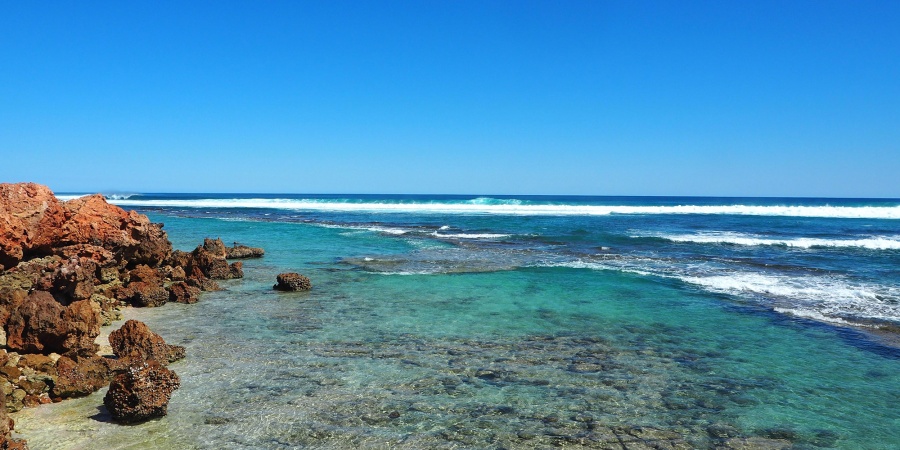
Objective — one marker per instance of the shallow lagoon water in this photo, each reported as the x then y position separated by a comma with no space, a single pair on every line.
514,355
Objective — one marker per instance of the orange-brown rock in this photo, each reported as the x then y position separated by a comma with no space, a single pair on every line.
99,255
28,212
207,261
182,292
203,283
33,222
144,294
79,375
144,273
91,220
40,324
135,341
38,362
141,392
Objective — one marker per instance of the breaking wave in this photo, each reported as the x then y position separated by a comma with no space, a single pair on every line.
485,205
870,242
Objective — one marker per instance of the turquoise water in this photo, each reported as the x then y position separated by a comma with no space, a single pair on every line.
481,330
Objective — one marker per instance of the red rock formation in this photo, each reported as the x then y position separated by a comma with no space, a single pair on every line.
144,294
40,324
91,220
80,375
33,222
27,212
141,392
135,340
181,292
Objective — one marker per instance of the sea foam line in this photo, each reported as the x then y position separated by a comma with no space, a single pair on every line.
514,208
872,242
830,296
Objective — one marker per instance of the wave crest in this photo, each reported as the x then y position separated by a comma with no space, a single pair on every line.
870,242
485,205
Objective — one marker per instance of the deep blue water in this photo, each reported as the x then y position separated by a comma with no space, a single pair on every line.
531,322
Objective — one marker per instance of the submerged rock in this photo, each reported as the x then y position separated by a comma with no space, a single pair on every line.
292,281
141,392
135,340
242,251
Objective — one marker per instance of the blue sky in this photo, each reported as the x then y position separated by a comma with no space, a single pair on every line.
596,97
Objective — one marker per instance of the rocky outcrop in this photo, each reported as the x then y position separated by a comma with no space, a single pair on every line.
131,236
79,375
207,261
239,251
40,324
65,269
33,222
292,281
135,341
141,392
182,292
28,212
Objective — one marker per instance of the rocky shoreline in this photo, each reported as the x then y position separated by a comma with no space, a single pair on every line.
66,268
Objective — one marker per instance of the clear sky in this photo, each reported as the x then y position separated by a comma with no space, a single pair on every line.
735,98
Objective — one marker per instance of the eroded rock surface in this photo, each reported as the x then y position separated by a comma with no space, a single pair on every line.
141,392
135,340
292,281
239,251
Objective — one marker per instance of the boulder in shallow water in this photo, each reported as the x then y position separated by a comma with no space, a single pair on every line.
292,281
135,340
242,251
141,392
182,292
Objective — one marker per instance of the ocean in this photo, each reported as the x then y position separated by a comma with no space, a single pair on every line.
525,322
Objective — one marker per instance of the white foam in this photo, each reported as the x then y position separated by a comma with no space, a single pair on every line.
470,235
511,207
871,242
815,315
65,198
372,228
831,296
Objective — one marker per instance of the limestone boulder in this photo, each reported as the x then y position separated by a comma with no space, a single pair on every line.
182,292
40,324
135,341
141,392
239,251
292,281
79,375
